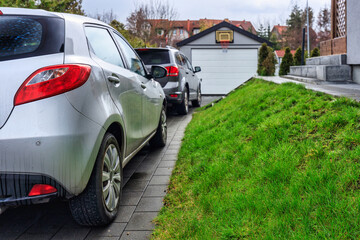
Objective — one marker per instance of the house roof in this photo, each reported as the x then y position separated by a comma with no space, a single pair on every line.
189,25
281,53
221,25
280,29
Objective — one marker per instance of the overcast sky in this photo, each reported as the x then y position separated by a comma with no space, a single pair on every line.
256,11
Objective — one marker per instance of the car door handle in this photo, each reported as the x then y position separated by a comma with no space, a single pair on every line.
113,79
143,86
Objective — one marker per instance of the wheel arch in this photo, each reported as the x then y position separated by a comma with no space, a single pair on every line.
164,103
187,87
117,130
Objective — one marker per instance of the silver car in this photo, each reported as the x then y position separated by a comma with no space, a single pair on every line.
181,84
76,104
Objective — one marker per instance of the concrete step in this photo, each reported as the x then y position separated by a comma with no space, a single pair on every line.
305,80
303,71
340,73
327,60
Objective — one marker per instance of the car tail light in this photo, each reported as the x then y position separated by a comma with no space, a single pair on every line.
41,189
174,95
142,49
1,13
50,81
172,71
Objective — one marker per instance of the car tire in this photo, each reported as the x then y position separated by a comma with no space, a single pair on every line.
183,107
159,139
197,102
98,204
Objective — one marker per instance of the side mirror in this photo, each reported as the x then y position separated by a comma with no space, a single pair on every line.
158,72
197,69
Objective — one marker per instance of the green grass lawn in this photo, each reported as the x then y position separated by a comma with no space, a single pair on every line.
267,162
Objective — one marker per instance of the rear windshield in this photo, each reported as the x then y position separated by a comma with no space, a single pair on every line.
25,36
154,57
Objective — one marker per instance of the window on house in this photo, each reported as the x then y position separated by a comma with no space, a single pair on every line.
174,32
160,32
196,30
181,32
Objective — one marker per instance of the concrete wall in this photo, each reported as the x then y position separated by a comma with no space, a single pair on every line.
356,73
208,42
353,32
353,38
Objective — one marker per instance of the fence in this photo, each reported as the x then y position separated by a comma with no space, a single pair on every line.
337,44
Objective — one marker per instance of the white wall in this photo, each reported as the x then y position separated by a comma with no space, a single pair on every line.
208,41
353,32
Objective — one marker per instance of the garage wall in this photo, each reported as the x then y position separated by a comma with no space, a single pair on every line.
222,72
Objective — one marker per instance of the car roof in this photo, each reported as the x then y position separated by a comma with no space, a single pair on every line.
159,48
26,11
40,12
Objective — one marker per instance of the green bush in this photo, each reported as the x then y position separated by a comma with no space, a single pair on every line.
287,61
315,52
297,57
263,53
269,65
267,61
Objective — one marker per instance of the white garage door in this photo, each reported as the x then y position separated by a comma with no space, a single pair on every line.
221,71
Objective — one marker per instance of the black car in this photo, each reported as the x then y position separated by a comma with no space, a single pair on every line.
181,84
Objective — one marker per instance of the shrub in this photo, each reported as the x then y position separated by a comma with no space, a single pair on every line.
263,53
269,63
286,62
315,52
297,57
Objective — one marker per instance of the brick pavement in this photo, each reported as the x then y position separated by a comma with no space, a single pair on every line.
145,182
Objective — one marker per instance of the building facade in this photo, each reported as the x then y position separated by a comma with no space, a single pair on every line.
172,32
225,65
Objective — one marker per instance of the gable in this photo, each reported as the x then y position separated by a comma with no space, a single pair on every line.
209,39
208,36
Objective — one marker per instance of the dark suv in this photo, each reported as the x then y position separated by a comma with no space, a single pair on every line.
181,84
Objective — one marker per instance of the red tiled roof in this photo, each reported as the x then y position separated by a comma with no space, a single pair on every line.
189,25
281,53
279,29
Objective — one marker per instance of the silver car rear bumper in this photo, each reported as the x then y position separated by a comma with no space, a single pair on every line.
50,138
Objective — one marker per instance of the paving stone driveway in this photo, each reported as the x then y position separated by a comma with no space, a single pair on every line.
145,182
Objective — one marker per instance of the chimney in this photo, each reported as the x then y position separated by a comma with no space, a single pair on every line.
188,25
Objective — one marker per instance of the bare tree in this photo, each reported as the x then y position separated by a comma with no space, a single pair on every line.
152,20
106,16
324,24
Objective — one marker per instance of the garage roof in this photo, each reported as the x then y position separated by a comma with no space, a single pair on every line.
218,26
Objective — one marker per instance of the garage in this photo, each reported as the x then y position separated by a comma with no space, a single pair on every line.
223,68
222,71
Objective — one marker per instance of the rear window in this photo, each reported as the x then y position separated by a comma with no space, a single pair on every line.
154,57
25,36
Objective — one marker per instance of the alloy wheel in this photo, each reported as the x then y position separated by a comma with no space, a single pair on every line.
186,101
163,125
199,97
111,177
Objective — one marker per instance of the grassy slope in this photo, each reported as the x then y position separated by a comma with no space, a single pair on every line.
269,161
